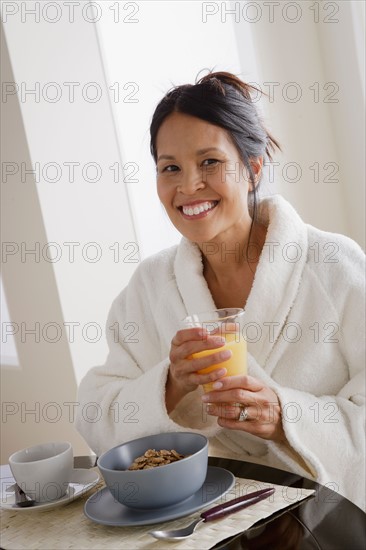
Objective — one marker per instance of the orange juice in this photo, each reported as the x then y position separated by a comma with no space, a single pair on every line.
237,364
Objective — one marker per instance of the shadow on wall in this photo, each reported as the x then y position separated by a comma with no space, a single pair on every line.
38,396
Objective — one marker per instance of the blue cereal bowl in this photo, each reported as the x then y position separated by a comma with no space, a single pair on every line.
159,486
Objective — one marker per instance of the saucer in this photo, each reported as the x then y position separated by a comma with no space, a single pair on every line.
102,507
82,481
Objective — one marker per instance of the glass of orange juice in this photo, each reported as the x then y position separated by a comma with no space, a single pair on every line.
227,323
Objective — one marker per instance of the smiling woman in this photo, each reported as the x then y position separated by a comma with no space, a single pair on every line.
302,321
205,197
199,186
225,118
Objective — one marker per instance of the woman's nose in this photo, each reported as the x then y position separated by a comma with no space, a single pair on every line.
191,182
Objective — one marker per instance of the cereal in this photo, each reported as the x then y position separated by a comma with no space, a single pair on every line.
153,459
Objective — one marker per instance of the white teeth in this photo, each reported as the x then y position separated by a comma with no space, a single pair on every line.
197,209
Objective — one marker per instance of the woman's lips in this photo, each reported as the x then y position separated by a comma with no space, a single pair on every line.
197,210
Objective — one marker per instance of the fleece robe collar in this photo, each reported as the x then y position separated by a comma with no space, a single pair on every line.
276,280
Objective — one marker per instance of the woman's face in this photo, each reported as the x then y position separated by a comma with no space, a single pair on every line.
201,180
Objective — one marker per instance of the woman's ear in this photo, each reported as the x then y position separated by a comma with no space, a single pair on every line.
256,165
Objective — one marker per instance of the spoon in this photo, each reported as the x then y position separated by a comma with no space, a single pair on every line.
215,513
21,498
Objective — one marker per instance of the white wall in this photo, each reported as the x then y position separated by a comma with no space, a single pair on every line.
307,55
343,50
168,44
310,61
37,211
78,211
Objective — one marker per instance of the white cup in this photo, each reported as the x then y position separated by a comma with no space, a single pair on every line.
44,471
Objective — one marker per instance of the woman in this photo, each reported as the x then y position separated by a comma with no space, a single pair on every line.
301,408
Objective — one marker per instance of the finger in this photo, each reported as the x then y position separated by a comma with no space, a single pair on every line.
223,410
232,411
195,333
200,379
187,334
197,343
212,360
236,395
249,426
189,348
243,381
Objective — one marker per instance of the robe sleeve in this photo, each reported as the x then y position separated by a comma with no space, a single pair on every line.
125,398
328,431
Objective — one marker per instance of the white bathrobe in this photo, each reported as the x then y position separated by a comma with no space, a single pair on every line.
305,326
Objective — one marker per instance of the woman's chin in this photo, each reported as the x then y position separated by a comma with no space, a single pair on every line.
193,234
204,241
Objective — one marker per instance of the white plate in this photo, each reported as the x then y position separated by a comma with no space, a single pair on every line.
102,507
82,481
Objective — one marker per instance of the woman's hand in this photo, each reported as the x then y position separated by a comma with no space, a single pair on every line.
233,394
183,377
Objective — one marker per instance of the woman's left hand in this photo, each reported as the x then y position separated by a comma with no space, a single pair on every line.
234,394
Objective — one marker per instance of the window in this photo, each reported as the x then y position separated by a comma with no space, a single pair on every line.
9,356
168,45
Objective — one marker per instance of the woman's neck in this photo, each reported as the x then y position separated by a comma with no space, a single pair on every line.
222,260
229,271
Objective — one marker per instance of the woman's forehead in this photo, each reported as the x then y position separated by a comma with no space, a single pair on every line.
181,130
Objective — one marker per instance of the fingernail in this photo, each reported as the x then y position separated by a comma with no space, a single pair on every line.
217,385
218,340
221,372
205,398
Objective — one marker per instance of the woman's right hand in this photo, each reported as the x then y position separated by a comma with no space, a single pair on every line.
183,376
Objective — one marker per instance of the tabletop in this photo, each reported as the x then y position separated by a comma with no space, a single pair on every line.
327,521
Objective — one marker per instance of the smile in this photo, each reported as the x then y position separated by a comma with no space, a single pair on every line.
199,209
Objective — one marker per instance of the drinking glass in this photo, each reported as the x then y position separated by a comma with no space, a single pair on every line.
227,323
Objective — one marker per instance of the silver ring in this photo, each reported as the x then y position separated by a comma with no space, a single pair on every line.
243,415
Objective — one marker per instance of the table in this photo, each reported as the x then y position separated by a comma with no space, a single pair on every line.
326,521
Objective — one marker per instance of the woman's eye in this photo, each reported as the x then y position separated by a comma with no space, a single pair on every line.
206,163
167,168
210,162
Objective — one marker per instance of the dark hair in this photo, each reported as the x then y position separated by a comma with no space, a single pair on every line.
224,100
